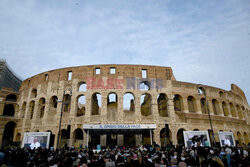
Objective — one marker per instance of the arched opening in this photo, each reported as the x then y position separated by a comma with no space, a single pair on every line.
9,110
196,130
11,97
146,104
144,86
31,109
96,103
128,102
112,107
81,105
78,138
165,137
191,104
8,134
233,112
67,102
41,108
33,93
18,137
240,139
216,107
246,138
64,138
23,110
178,103
180,137
203,106
225,109
130,139
222,95
52,105
52,139
82,87
162,105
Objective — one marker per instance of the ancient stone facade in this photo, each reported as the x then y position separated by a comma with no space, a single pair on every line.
125,94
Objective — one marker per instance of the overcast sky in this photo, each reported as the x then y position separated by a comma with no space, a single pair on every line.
204,41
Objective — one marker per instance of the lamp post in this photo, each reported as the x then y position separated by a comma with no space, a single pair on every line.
60,122
201,90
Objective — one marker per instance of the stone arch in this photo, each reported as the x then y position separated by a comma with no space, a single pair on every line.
128,102
78,137
225,109
52,105
246,138
81,105
180,137
31,109
162,105
18,137
146,104
240,115
8,133
11,97
33,93
112,105
232,109
41,107
216,107
23,109
67,102
203,105
64,138
222,94
9,110
82,87
96,102
178,103
191,104
239,138
52,139
165,137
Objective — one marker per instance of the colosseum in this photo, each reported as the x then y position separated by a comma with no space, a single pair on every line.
121,105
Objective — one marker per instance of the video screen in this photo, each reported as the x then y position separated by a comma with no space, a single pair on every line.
35,140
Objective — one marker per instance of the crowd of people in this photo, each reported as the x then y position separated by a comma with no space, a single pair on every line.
141,156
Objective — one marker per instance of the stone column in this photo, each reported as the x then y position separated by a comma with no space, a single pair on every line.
85,138
120,112
228,109
154,108
88,108
103,140
171,110
185,105
156,136
1,136
221,112
137,108
120,140
138,139
104,108
1,106
198,105
210,108
71,137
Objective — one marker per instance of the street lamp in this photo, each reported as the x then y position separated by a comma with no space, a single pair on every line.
201,91
60,122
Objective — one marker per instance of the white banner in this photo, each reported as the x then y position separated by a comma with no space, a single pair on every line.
36,139
195,138
119,126
226,138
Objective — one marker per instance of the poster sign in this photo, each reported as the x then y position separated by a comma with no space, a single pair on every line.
36,139
119,126
226,139
196,138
